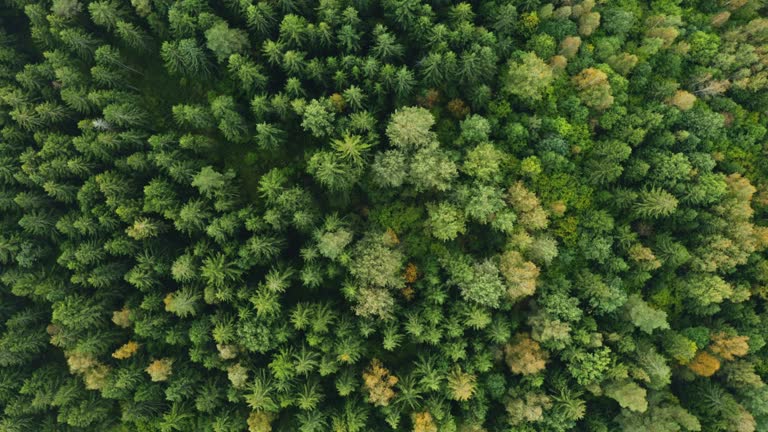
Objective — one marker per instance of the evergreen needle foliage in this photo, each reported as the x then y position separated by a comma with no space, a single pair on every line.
395,215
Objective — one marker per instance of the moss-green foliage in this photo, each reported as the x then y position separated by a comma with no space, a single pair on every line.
348,216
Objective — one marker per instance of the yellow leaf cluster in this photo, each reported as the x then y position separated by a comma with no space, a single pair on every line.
259,421
521,275
126,351
423,422
729,348
704,364
379,383
94,373
683,100
524,355
122,318
160,370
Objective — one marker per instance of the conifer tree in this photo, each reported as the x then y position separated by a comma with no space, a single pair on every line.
430,216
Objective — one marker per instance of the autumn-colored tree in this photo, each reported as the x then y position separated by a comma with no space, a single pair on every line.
588,23
122,318
594,88
379,383
524,355
423,422
227,352
458,108
644,257
667,33
127,350
227,216
160,370
520,275
704,364
729,347
683,100
259,421
623,63
569,46
528,207
96,377
411,273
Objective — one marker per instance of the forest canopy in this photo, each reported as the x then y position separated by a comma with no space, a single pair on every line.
394,215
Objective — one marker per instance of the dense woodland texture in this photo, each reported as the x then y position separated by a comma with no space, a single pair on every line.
361,215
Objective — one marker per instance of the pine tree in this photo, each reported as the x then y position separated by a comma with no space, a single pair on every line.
655,203
185,57
106,13
132,35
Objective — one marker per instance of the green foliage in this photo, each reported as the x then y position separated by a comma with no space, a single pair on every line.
332,238
594,88
349,216
628,394
377,263
318,119
484,162
655,203
445,221
410,128
185,57
645,317
528,78
479,282
225,41
662,415
182,303
588,368
432,169
332,171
